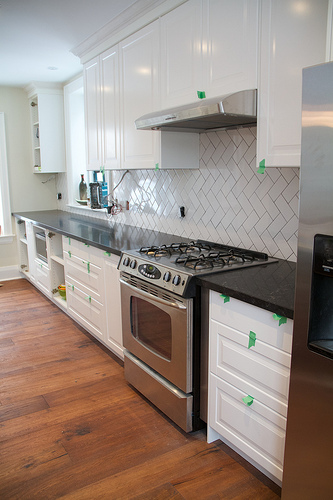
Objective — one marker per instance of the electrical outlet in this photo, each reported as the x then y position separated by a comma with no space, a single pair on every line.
59,196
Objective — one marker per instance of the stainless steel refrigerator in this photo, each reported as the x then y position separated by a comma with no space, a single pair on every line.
308,463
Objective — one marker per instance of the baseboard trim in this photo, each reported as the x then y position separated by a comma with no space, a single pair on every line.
9,273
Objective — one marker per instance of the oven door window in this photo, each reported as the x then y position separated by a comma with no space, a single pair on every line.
151,326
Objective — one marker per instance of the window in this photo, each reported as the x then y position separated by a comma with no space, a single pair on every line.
5,214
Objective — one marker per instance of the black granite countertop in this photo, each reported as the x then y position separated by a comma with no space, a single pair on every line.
97,232
270,287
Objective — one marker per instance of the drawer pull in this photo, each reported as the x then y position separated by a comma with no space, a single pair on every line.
248,400
252,340
280,319
86,244
88,267
225,298
89,299
107,253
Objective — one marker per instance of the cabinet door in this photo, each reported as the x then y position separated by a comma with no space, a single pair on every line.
181,55
85,309
293,36
92,97
113,334
230,38
51,132
42,275
110,108
139,95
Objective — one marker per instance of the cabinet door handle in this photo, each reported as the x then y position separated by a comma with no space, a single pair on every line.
252,340
280,319
248,400
225,298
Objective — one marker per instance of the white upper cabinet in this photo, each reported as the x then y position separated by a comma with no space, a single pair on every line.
229,46
293,36
92,99
181,54
48,128
110,108
209,46
139,95
101,77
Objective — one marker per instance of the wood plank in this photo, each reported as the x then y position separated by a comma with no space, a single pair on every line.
25,407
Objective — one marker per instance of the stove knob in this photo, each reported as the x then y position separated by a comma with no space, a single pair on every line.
133,264
126,261
176,280
167,276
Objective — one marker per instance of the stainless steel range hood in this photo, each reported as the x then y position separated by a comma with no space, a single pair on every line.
229,111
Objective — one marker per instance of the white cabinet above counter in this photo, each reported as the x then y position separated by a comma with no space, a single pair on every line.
210,47
120,85
47,127
293,36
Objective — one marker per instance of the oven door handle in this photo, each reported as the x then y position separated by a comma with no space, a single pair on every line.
156,299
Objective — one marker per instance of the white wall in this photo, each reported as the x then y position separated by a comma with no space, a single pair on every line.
27,191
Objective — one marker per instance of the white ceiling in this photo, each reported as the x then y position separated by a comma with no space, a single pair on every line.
36,35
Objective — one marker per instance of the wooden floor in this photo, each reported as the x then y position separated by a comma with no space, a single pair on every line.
71,427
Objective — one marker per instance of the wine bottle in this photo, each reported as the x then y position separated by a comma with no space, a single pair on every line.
83,188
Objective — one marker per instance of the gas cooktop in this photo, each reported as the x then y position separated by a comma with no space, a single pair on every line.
174,266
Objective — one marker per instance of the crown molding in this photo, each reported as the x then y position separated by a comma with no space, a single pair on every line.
138,15
34,88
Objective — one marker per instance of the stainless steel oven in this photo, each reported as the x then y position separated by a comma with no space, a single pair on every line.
158,337
41,248
161,319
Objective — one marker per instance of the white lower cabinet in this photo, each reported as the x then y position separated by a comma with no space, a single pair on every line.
85,309
93,292
42,277
249,368
91,277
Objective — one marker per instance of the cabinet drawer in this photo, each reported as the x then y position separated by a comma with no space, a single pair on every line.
233,361
89,276
42,275
246,317
255,430
82,250
86,310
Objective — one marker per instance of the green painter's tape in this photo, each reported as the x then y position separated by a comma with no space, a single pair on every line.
280,319
225,298
248,400
252,340
69,254
107,253
157,166
69,241
262,167
88,267
201,94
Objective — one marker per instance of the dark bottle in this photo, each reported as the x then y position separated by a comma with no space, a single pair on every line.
83,189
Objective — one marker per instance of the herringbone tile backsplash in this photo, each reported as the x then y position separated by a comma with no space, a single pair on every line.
225,201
